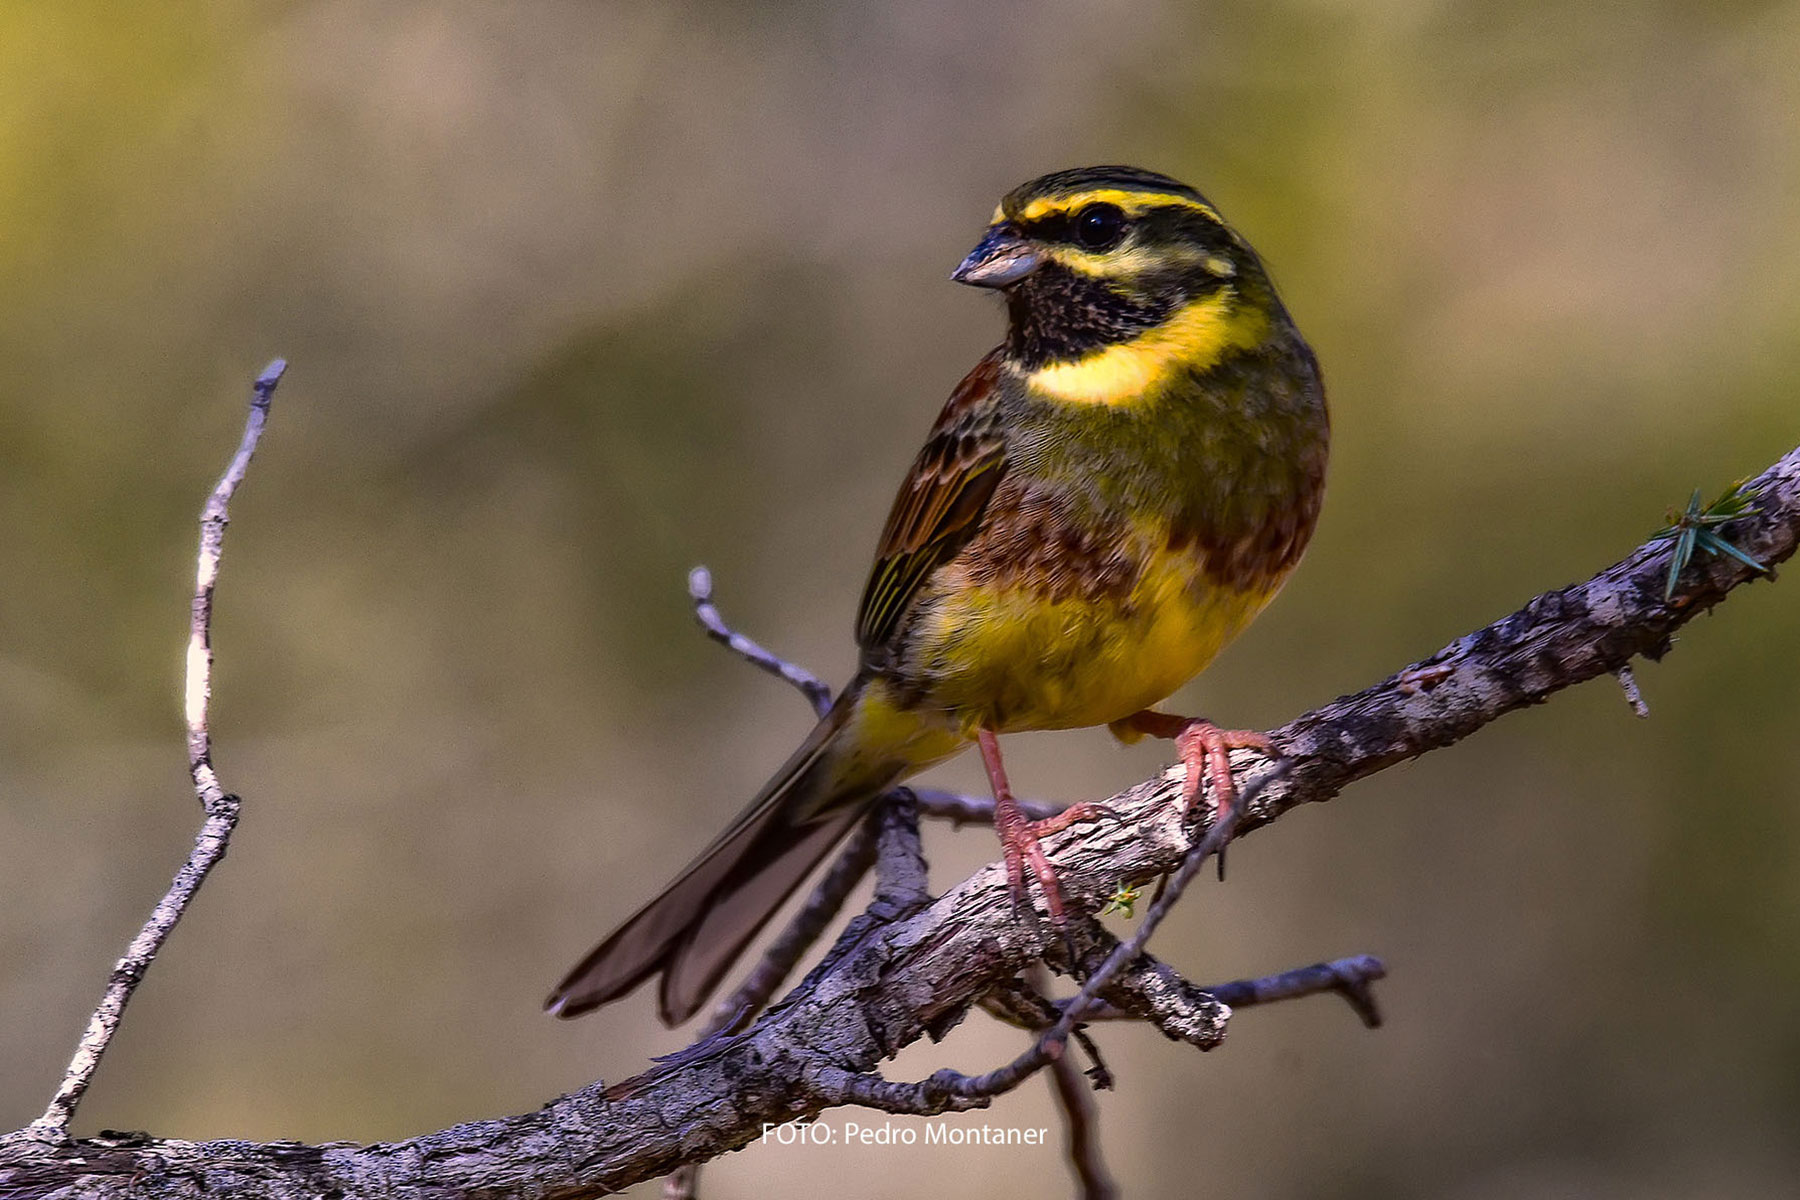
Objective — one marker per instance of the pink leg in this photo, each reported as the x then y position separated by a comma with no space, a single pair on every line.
1019,837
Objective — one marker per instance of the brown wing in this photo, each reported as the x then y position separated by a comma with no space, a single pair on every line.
939,506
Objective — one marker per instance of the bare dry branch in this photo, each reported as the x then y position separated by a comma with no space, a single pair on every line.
1348,977
960,809
1081,1117
887,983
947,1090
1182,1010
221,807
817,693
901,878
1147,989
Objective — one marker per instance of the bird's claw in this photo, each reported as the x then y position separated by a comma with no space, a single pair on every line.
1205,751
1022,842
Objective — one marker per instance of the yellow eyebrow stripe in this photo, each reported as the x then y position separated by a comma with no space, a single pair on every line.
1195,338
1132,203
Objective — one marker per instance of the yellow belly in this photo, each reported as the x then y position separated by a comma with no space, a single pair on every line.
1011,659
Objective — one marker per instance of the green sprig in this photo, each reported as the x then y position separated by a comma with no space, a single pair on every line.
1693,529
1123,901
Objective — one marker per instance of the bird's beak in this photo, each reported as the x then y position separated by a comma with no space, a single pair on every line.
1002,258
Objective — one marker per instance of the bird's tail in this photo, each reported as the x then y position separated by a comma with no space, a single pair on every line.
697,927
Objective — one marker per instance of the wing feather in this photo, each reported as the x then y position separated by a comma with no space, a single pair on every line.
940,505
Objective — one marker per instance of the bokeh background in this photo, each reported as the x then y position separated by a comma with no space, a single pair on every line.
578,295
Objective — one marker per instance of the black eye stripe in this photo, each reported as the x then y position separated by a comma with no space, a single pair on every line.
1051,228
1091,227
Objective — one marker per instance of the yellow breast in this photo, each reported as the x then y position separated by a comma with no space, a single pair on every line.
1009,658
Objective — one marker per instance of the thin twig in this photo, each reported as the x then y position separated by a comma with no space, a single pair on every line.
961,809
220,806
700,589
1074,1091
1629,684
1348,977
1025,1004
1081,1116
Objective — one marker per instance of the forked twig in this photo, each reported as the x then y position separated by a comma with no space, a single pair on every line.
951,1090
1352,978
221,806
1348,977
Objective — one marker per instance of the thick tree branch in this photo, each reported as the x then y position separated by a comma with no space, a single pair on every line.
1559,639
888,983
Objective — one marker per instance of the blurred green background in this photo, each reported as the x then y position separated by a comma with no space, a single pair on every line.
578,295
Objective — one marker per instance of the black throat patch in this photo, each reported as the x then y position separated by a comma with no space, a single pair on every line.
1058,315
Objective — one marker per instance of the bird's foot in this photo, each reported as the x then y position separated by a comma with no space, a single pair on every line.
1021,839
1205,751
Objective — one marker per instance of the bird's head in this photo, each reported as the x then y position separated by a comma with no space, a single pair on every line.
1106,257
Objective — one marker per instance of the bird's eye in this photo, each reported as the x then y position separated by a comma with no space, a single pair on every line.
1099,226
